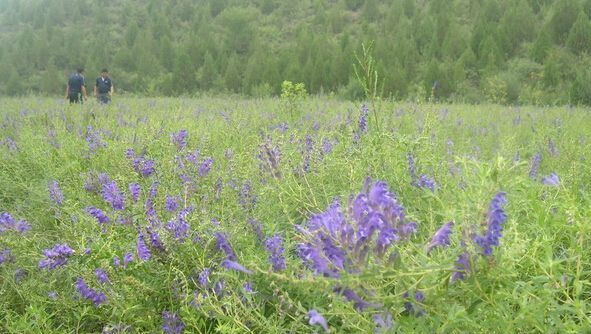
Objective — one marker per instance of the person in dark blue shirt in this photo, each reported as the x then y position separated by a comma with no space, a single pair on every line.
104,89
76,87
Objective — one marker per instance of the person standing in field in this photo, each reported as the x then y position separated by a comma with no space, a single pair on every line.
76,87
104,89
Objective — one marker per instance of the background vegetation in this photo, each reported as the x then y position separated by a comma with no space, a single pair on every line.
503,51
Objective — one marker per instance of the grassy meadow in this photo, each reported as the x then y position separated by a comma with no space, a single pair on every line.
220,215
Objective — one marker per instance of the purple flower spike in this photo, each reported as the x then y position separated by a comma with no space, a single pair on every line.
235,266
441,237
143,252
127,259
426,182
462,267
134,190
7,222
179,139
205,167
551,180
55,193
97,213
535,166
56,256
204,278
113,196
274,246
172,323
223,245
317,319
496,220
383,323
5,256
101,275
358,303
86,292
172,203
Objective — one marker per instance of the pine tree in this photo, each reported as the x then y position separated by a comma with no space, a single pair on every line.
579,37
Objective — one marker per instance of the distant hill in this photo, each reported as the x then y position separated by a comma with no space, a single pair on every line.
505,51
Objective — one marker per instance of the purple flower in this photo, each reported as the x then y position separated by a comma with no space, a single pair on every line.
149,204
535,166
143,166
274,246
156,241
441,237
383,322
171,203
179,139
179,226
232,265
426,182
101,275
55,193
113,196
462,267
246,199
248,288
204,277
56,256
551,180
257,227
86,292
5,256
205,167
134,190
143,252
326,146
94,140
411,307
116,261
7,222
98,214
496,219
93,183
52,295
127,258
269,156
358,303
363,118
172,323
317,319
223,245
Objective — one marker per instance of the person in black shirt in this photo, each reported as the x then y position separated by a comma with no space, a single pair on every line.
76,86
103,89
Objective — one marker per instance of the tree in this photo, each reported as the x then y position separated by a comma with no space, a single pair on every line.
565,13
579,37
208,73
232,76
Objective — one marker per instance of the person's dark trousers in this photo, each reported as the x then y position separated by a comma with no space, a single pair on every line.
104,98
75,98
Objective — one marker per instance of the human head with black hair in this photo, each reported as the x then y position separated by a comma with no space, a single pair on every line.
80,70
104,73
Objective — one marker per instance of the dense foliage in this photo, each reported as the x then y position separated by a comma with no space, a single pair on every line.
502,51
293,216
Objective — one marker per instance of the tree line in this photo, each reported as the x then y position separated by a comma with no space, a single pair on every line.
502,51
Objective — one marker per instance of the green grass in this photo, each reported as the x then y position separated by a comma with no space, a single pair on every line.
537,281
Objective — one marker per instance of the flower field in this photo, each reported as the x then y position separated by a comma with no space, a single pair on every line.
245,216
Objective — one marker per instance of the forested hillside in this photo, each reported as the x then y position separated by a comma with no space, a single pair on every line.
505,51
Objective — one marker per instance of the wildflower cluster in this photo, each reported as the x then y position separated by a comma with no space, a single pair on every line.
8,223
337,242
56,257
97,297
